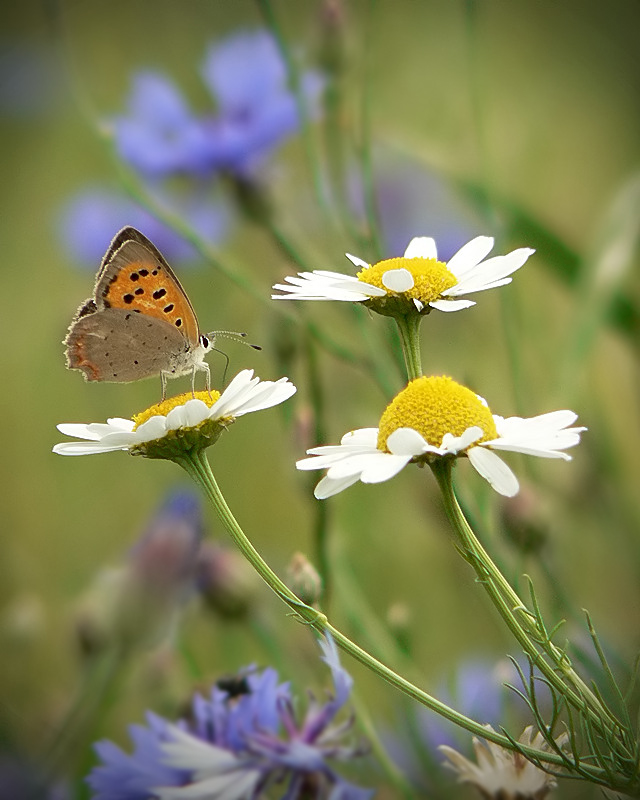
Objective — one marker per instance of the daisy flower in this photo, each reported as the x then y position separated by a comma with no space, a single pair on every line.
504,774
435,417
249,739
177,424
415,282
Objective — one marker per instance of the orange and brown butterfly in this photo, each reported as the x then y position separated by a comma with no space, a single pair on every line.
139,322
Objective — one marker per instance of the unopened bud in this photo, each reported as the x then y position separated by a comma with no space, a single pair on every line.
525,521
303,579
226,582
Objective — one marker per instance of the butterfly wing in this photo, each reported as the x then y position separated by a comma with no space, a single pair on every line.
118,345
134,276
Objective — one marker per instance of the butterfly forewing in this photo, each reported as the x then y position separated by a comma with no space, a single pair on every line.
136,278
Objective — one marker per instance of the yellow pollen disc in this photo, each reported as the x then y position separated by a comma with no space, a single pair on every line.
430,277
163,408
433,406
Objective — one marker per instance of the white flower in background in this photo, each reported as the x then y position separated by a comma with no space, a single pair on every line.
203,415
417,281
436,417
504,774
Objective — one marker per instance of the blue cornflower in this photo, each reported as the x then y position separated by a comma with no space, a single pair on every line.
256,111
240,742
90,218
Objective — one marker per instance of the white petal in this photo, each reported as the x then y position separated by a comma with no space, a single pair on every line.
84,448
455,444
494,470
418,303
470,255
357,262
421,247
186,415
361,437
354,464
451,305
407,442
398,280
265,395
81,430
384,468
153,428
328,487
494,271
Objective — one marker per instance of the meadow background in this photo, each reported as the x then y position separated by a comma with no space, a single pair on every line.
516,120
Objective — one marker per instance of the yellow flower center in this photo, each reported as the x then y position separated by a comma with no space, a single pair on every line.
433,406
430,277
163,408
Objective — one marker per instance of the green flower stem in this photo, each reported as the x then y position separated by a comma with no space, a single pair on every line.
523,624
197,466
409,329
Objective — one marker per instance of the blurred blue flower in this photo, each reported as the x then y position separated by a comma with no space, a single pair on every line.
160,135
256,111
92,217
239,742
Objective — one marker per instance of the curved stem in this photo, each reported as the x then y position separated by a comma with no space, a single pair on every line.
197,466
520,621
409,328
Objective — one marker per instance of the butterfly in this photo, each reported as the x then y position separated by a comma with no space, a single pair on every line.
139,322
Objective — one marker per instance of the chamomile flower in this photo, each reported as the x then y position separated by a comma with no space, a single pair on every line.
501,773
417,281
177,424
435,417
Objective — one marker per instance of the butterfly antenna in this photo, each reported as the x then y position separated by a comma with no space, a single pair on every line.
239,337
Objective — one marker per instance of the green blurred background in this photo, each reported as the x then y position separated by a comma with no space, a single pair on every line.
528,114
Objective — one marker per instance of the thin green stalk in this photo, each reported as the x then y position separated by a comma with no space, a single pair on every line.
321,511
522,624
197,466
409,328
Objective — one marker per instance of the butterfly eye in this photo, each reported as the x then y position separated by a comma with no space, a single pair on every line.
204,341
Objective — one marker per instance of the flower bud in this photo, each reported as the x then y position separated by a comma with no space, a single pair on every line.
225,581
304,579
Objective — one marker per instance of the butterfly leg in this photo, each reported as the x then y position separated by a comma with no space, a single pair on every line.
204,367
163,378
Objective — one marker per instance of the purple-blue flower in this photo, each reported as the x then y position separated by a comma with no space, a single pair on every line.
243,740
161,136
91,218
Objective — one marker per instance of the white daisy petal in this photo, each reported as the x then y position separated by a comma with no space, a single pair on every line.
82,430
493,271
84,448
470,255
354,464
191,413
384,468
421,247
398,280
407,442
357,262
327,487
456,444
494,470
153,428
361,437
451,305
418,303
